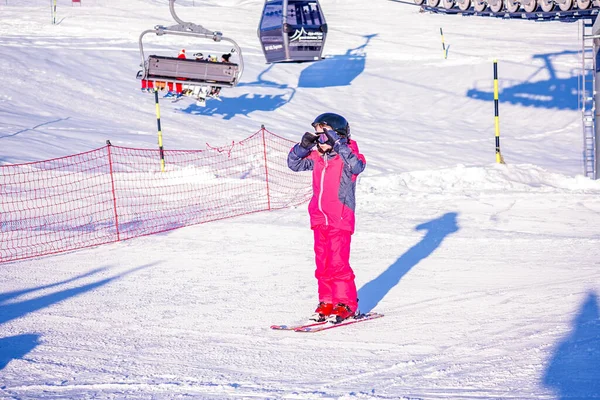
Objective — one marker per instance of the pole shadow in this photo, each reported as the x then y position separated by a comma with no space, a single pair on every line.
339,70
18,346
10,295
34,127
435,232
574,370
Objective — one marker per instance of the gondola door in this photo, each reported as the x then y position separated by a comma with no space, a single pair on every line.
270,32
306,30
292,31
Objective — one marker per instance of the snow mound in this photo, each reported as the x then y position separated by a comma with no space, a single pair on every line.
491,178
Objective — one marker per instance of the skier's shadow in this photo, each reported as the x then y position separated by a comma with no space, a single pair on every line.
15,347
574,370
436,231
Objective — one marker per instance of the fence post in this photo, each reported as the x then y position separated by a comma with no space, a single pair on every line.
114,196
262,127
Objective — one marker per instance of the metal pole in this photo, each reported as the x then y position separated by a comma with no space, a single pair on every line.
596,94
443,45
160,142
284,32
499,158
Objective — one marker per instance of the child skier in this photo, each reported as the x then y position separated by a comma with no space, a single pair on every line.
335,165
178,86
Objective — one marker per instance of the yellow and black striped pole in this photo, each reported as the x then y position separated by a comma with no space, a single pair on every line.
499,158
443,45
53,9
160,143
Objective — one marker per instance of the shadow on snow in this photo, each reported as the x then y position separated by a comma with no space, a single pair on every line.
339,70
555,92
574,369
229,107
15,347
435,232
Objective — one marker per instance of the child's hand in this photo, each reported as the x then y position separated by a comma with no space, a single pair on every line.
309,140
335,138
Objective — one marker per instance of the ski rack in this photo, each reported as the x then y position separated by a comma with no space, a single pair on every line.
563,16
176,70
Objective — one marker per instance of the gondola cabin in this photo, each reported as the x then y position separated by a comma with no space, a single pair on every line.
292,31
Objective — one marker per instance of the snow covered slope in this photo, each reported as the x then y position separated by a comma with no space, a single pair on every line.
488,274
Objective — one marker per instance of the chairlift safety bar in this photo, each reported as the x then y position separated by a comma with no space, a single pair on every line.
189,29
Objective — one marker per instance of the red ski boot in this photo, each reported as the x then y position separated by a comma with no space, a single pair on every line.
339,313
322,312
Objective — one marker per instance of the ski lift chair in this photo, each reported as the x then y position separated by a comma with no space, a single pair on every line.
189,72
192,72
292,31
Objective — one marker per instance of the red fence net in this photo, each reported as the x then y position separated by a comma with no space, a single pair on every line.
117,193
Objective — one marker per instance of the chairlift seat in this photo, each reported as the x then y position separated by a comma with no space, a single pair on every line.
180,70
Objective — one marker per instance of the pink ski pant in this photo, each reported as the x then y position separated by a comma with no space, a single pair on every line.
334,275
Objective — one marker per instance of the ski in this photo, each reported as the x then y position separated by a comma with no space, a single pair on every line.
295,327
324,326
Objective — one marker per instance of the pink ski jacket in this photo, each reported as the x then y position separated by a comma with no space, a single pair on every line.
334,183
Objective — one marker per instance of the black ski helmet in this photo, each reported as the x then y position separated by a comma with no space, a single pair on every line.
336,121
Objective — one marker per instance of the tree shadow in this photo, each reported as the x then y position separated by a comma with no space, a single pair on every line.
436,231
18,346
574,370
560,93
339,70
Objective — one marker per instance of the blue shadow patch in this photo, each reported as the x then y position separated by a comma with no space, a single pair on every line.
339,70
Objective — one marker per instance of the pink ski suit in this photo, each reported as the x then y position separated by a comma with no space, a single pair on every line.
331,211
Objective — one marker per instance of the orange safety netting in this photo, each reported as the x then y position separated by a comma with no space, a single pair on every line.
117,193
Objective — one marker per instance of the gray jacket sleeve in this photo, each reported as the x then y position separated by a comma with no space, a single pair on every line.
355,164
297,159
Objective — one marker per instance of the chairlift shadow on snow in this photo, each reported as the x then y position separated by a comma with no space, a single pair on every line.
339,70
16,347
435,232
555,92
229,107
573,371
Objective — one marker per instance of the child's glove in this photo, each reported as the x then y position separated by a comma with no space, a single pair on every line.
335,139
309,140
